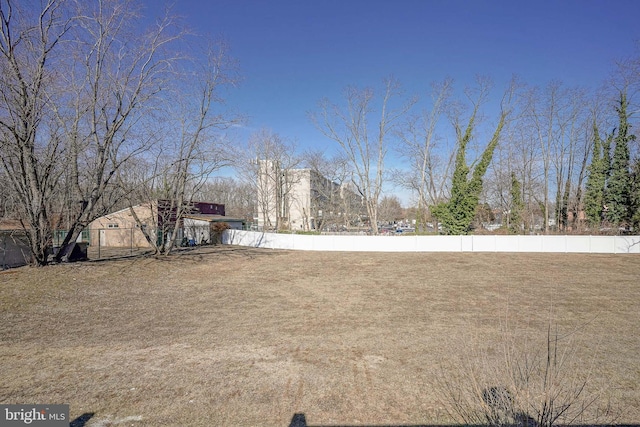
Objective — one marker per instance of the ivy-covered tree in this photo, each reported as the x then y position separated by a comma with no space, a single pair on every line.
594,198
618,197
635,195
517,206
457,214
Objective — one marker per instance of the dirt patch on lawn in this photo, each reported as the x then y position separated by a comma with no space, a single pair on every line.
231,336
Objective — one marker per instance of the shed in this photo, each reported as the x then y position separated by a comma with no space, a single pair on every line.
198,228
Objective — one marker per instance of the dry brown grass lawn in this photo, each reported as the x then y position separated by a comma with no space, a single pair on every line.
230,337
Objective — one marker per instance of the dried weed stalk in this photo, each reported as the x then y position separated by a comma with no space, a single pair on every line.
544,382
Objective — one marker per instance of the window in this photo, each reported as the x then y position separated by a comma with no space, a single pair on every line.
112,226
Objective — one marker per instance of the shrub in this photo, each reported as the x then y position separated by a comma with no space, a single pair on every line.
217,228
542,384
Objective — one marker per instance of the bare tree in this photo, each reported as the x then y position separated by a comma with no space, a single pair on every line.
390,209
626,78
30,145
75,127
7,203
119,84
365,145
572,130
552,117
237,196
428,172
542,115
504,171
334,206
266,164
553,136
193,147
522,156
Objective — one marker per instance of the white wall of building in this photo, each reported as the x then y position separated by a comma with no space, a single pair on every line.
197,231
299,200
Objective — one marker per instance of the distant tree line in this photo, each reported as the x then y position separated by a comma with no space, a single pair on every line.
544,167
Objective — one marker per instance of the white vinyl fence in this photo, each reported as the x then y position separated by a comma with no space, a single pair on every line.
560,244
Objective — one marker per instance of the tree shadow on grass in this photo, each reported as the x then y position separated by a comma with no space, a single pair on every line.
117,254
202,253
179,254
82,420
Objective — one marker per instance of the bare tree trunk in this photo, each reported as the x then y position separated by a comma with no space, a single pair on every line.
266,165
28,154
365,148
198,152
111,111
578,205
553,118
419,143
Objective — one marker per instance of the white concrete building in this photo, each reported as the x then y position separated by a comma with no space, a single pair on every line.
302,200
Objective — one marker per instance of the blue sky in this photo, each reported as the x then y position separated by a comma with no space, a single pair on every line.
294,53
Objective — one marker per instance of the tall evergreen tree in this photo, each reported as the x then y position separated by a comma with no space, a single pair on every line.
635,195
517,205
606,159
594,198
618,198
